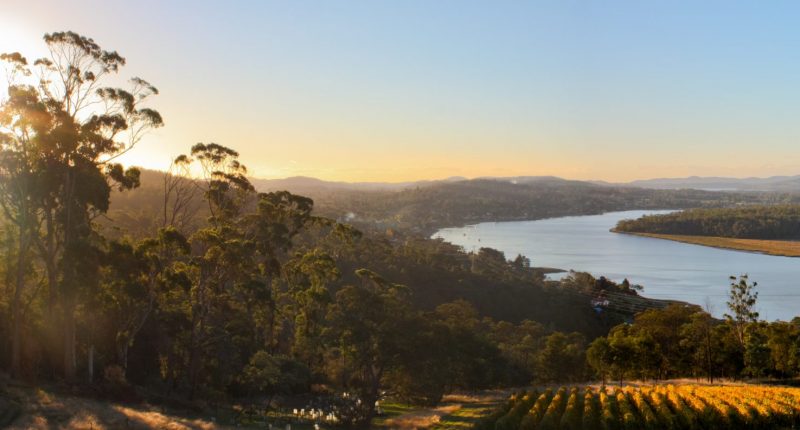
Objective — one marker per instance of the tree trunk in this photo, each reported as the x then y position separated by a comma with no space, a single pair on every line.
193,359
70,364
16,339
372,396
68,282
16,308
48,252
133,329
52,323
708,357
122,356
90,364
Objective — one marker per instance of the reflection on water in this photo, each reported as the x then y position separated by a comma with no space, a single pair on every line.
667,269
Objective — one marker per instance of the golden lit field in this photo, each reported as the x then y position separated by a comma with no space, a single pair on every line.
786,248
650,407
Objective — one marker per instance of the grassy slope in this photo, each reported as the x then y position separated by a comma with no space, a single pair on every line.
46,410
37,408
784,248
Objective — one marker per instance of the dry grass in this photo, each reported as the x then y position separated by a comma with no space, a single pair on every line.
44,410
785,248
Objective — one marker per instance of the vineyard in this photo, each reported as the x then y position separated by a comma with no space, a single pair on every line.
655,407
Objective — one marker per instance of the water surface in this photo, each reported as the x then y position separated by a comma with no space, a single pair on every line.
666,269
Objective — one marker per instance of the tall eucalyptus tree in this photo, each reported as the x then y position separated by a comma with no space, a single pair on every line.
67,128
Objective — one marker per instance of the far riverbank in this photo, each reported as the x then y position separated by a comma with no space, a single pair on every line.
782,248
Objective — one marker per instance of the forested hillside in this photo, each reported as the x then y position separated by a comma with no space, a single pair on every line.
779,222
508,288
428,206
425,209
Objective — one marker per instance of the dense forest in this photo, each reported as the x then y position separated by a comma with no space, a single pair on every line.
775,222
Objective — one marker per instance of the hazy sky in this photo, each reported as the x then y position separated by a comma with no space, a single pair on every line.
391,91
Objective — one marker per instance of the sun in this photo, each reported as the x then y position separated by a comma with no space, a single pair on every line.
16,36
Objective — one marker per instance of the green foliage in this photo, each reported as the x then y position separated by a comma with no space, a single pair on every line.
599,357
783,342
562,358
775,222
268,373
682,339
756,351
741,302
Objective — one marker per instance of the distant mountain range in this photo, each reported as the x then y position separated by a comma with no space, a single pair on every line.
300,184
304,184
309,185
774,183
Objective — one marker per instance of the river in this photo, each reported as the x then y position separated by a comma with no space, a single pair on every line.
666,269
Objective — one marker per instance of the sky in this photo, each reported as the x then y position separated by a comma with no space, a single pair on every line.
410,90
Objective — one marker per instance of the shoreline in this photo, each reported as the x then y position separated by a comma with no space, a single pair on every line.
778,248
